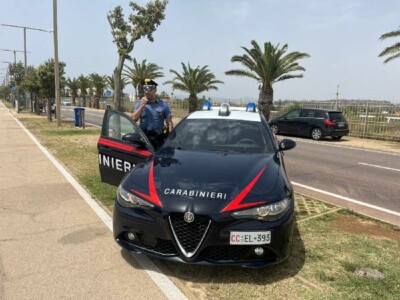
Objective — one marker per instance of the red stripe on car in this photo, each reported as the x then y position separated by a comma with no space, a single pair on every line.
124,147
236,204
153,197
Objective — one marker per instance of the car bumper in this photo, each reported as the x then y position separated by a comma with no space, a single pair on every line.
336,132
154,236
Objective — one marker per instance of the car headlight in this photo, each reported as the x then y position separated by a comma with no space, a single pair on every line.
127,199
270,212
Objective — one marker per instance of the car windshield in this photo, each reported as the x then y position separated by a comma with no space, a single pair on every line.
221,135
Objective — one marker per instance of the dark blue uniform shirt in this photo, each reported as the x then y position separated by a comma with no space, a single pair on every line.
153,115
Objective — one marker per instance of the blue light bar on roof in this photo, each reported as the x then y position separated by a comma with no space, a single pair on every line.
206,105
251,106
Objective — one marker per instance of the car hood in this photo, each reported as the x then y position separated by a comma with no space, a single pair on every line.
209,180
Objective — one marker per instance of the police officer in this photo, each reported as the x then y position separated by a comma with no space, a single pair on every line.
152,113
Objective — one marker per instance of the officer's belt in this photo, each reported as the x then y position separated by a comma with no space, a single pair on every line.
152,132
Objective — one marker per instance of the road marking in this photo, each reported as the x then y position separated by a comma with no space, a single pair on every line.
348,199
376,166
154,272
341,146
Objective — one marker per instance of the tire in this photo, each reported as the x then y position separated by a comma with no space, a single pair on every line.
317,134
336,138
274,129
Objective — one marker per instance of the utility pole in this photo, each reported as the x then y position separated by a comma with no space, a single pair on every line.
337,98
56,66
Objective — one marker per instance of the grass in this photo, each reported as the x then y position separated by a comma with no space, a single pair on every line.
330,243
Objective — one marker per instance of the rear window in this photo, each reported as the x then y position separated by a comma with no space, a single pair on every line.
336,116
221,135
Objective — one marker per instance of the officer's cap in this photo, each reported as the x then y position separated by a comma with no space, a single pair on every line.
148,81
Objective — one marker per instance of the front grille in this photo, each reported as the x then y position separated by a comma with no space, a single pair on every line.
189,235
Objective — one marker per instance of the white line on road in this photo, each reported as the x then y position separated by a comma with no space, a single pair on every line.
376,166
341,146
163,282
348,199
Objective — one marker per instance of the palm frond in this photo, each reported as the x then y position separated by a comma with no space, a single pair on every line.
392,57
394,33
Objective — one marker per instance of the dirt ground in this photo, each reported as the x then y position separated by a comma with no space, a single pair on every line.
355,225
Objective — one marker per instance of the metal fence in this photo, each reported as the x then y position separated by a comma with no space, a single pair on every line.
366,118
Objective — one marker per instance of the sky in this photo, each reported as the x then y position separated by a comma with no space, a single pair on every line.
341,37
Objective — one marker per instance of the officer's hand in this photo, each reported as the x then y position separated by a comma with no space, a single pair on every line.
144,101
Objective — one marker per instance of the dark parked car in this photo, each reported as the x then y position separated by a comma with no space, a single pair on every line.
215,193
314,123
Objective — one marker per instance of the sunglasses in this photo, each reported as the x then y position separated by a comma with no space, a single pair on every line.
148,88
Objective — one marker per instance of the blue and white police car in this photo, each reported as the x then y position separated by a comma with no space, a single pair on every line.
215,193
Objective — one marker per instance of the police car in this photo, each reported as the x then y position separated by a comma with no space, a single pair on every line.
215,193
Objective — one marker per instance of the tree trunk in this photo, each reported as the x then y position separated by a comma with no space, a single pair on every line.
265,100
192,103
140,91
117,83
37,110
84,100
73,100
48,104
97,101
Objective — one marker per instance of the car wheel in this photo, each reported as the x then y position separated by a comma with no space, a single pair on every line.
275,128
316,134
336,138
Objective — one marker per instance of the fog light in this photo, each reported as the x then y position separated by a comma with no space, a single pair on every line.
131,236
259,251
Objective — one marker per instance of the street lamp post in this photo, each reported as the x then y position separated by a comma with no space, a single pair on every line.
6,78
15,93
25,56
15,55
56,66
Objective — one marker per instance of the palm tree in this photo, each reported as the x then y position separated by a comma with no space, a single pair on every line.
391,51
99,84
73,85
84,84
194,81
267,66
140,72
111,82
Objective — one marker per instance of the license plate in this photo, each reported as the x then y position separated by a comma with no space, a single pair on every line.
250,238
340,124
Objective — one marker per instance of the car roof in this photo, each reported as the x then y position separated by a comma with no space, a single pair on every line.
322,109
236,113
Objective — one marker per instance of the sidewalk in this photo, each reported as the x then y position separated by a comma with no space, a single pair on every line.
52,244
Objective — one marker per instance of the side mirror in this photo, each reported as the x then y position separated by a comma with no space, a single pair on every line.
286,144
135,139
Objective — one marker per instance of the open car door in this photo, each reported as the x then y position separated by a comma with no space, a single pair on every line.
121,146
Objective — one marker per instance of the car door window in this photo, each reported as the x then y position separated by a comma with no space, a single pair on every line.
293,114
119,124
307,114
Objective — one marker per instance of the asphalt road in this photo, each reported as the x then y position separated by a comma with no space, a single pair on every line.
371,177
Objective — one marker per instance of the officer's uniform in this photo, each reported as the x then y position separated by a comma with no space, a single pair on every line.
152,120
